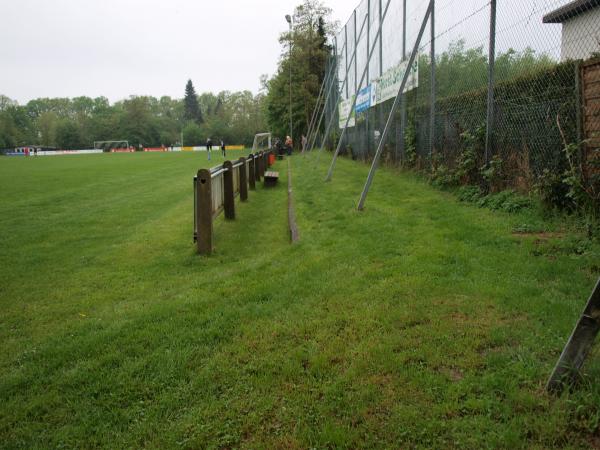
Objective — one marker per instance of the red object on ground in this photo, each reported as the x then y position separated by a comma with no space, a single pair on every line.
271,159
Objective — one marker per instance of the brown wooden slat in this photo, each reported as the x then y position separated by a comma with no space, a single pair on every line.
592,89
590,75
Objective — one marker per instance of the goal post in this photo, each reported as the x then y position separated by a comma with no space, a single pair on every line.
107,146
262,141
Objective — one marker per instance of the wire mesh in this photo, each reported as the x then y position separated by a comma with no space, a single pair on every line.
539,104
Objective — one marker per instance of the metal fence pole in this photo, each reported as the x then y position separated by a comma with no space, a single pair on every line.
320,98
432,110
204,222
356,132
489,129
400,140
339,145
380,40
228,194
363,197
346,53
330,90
379,108
368,74
579,344
344,84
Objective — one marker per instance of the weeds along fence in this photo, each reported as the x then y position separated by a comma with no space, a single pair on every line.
499,86
216,189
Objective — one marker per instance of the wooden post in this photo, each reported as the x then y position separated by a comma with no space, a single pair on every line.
257,166
204,222
228,194
251,172
261,164
579,345
243,180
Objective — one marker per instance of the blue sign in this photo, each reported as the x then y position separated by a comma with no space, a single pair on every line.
363,99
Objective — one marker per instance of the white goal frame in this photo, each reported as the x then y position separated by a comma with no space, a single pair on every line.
259,137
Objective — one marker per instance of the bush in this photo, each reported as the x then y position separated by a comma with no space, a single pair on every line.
470,194
507,201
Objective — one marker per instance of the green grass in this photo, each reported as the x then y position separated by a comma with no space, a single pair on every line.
420,322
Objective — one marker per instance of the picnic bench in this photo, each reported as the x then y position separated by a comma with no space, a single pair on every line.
270,178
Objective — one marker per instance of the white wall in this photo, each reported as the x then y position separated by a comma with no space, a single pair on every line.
581,36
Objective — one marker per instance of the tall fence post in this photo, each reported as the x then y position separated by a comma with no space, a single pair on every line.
228,194
400,139
380,39
204,220
243,180
346,53
339,91
251,172
343,134
489,128
411,60
432,110
379,108
368,74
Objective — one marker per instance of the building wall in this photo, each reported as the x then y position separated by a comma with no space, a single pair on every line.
581,36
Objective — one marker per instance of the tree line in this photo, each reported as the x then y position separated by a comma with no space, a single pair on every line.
71,123
235,117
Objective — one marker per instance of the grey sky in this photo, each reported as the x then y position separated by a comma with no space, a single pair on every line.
117,48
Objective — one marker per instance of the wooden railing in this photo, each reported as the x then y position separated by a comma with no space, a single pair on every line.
215,191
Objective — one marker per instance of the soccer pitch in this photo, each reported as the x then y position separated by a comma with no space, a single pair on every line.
420,322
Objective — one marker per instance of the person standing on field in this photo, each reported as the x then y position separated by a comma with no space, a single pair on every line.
208,147
223,148
288,145
304,143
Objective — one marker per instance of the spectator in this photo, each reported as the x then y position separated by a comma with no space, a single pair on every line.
223,148
289,144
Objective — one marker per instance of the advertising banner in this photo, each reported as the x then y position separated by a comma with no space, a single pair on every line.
387,86
363,101
344,111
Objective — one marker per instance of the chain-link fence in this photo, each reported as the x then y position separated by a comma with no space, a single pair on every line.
504,89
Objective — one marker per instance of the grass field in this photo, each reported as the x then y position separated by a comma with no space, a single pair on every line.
420,322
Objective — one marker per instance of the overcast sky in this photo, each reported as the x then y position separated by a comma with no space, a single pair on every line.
117,48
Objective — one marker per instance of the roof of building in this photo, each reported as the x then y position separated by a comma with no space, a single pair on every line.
570,10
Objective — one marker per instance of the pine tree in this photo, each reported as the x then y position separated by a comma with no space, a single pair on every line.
192,110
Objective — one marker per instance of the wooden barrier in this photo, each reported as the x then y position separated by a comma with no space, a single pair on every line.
215,191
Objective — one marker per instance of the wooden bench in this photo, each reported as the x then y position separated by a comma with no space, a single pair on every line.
270,178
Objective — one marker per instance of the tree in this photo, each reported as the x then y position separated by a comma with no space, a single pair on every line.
192,134
191,107
68,136
46,125
76,123
308,61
